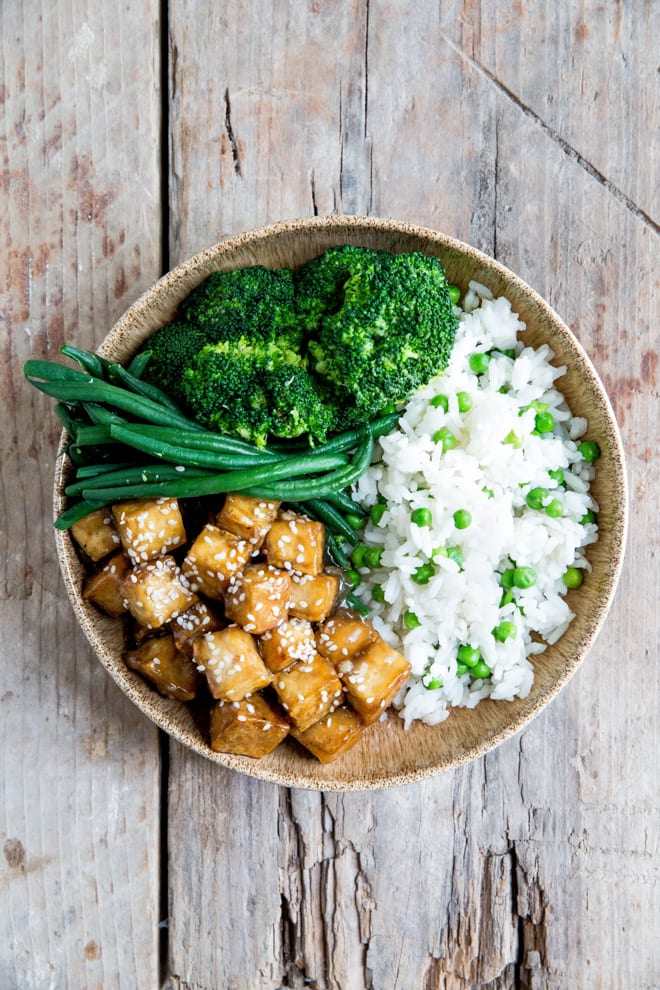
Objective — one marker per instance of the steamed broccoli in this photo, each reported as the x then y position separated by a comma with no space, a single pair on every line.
252,389
386,324
258,352
253,302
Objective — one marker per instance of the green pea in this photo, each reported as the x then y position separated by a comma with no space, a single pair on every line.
461,669
524,577
573,577
445,437
376,512
464,401
557,475
353,578
354,521
359,554
421,517
507,578
506,351
488,491
538,406
588,517
480,671
507,598
479,363
440,402
378,594
554,509
372,557
455,554
469,655
536,497
503,389
544,422
514,440
411,621
505,630
439,552
590,450
423,574
454,294
462,519
433,684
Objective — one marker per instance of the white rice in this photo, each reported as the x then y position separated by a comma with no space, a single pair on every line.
461,605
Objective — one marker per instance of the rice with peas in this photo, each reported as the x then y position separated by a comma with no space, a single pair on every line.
466,467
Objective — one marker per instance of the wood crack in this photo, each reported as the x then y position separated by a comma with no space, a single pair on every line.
235,154
556,138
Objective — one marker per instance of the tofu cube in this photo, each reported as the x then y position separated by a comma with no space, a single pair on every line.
258,598
248,518
246,728
96,534
292,640
105,588
344,636
313,598
149,527
194,622
155,592
307,690
231,662
373,678
296,543
213,559
170,671
333,735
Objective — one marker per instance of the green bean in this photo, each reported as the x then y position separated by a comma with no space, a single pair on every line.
341,501
92,436
328,514
139,363
344,441
66,417
356,604
231,481
92,363
119,375
100,416
336,553
301,490
92,470
136,477
71,386
74,514
205,440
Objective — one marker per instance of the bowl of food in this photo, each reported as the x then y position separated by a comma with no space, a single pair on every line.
343,503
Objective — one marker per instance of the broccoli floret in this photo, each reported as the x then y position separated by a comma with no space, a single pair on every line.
173,349
254,390
254,302
385,324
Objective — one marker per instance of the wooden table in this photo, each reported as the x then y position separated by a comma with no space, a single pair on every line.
134,134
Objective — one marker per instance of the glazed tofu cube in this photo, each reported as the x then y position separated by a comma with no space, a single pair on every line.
156,592
344,636
105,588
313,598
149,527
247,728
248,518
96,534
292,640
231,662
257,599
308,690
373,678
194,622
213,559
171,672
296,543
333,735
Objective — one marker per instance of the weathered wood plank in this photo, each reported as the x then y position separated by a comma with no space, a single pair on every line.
532,868
79,819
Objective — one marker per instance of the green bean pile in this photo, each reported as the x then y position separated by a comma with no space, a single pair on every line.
129,440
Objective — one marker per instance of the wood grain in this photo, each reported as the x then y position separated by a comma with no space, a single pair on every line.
524,129
80,223
469,880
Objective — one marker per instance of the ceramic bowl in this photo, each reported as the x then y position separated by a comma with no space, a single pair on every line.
387,754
